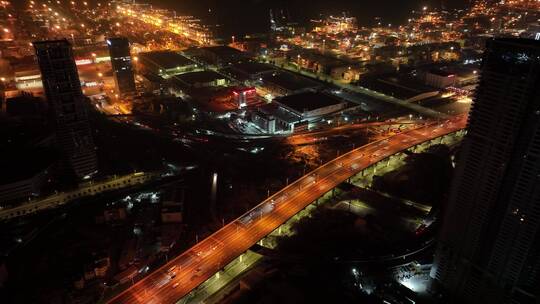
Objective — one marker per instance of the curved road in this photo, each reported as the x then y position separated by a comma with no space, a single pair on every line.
184,273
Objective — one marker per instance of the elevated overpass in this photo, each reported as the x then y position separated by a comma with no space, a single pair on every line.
293,137
86,189
173,281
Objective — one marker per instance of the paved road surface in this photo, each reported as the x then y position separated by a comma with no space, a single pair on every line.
187,271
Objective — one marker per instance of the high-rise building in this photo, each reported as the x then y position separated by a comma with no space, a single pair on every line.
121,64
66,102
489,247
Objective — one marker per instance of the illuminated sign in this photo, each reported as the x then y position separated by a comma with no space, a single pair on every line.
91,84
102,59
29,77
537,37
83,61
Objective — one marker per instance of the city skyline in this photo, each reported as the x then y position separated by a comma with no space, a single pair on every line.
269,152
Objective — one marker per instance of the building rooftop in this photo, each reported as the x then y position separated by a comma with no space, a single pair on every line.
199,77
48,43
251,68
123,41
166,59
398,86
308,101
441,73
217,54
223,51
273,109
291,82
323,59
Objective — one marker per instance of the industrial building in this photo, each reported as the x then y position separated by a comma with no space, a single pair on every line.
218,55
166,63
401,86
440,79
249,71
201,79
285,83
311,105
294,113
273,118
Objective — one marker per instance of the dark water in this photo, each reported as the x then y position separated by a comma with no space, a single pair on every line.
239,17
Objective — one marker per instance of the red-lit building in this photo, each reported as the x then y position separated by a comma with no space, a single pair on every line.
244,97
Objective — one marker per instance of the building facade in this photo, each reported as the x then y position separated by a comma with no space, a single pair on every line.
489,248
440,79
124,78
67,103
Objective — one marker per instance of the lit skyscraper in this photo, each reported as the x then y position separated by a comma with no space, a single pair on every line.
121,64
489,248
64,95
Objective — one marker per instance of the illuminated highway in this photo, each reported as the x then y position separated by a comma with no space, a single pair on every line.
184,273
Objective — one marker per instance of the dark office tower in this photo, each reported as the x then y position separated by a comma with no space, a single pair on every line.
489,246
66,101
121,64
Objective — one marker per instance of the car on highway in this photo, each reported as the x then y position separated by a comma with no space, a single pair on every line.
247,219
421,229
